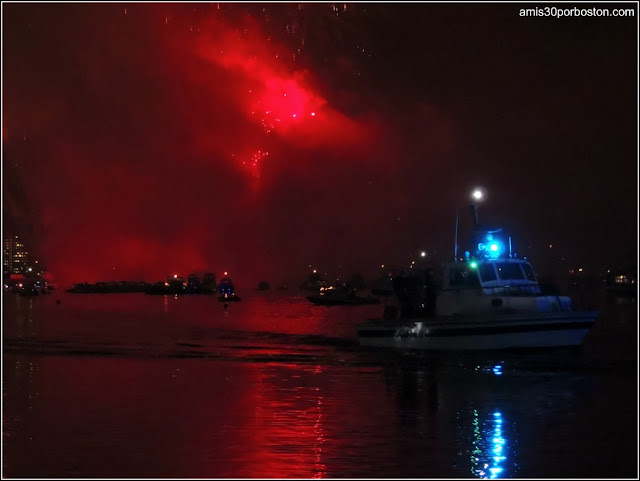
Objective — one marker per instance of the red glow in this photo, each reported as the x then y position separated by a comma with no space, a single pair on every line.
280,101
270,107
183,159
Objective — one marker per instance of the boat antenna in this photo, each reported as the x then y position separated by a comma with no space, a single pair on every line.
455,247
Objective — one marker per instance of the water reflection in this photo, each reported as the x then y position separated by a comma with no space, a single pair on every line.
277,389
489,446
471,393
491,368
24,324
19,403
289,423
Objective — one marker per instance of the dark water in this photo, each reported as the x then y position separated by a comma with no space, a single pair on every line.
128,385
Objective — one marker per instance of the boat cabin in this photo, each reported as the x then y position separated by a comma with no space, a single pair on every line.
493,276
493,280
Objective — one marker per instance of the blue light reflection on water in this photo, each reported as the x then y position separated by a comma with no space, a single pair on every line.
490,450
496,369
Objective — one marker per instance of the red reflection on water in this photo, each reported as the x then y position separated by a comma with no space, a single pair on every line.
287,435
281,411
125,417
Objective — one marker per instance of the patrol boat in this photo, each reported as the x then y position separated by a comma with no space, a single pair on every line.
488,300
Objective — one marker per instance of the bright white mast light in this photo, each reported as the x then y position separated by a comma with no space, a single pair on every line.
477,195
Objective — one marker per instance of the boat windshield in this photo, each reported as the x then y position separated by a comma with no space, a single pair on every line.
487,272
528,272
509,271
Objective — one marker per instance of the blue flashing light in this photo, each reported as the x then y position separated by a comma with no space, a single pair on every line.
494,250
490,251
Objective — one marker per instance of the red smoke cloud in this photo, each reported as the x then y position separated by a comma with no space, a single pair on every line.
159,143
165,146
278,99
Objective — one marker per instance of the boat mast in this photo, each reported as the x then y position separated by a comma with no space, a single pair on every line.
477,195
455,247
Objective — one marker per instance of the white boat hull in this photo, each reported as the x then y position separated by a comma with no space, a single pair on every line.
562,329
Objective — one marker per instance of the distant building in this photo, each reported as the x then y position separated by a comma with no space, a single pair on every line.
14,256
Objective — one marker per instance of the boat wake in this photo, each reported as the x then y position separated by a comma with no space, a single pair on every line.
227,345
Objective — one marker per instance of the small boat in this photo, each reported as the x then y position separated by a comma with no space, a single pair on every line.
227,291
488,300
621,285
331,296
29,290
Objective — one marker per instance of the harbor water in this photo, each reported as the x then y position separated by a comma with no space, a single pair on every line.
134,385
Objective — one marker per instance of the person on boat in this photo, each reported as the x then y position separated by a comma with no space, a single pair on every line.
428,293
407,291
399,286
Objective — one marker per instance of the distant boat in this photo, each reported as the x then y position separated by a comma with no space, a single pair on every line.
227,290
174,285
314,282
621,285
194,285
340,297
29,290
208,285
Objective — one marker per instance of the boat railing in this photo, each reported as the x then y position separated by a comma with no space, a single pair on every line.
512,290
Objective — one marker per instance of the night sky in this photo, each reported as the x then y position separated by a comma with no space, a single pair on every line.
145,140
